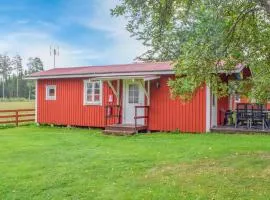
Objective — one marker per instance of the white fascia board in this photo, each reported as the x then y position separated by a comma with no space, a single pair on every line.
150,78
168,72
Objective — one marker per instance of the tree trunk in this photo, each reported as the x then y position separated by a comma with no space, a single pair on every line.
3,89
29,94
17,87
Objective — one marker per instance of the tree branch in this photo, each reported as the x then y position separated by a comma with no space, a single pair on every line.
242,15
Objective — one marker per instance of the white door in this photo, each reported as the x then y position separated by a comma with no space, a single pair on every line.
214,110
133,96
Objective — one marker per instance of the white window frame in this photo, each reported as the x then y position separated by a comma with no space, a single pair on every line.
85,102
48,88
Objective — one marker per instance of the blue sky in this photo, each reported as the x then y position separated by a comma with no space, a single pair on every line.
83,29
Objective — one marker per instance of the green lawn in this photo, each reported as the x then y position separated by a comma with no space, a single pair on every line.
61,163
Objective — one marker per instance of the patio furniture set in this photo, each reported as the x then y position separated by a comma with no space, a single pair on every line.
249,115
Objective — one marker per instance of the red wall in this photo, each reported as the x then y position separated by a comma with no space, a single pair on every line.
166,114
68,108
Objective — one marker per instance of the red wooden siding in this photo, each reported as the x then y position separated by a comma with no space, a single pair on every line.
167,114
223,105
68,108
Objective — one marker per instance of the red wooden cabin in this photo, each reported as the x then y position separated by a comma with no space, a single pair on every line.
132,95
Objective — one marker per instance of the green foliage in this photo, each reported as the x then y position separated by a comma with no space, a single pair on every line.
202,38
17,65
34,65
12,83
5,66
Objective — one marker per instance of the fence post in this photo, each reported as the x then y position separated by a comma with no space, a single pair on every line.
17,118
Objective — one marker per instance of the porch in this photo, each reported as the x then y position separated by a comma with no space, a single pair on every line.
114,112
232,129
126,111
247,118
124,129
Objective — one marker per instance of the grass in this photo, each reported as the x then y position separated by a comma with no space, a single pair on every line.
17,105
61,163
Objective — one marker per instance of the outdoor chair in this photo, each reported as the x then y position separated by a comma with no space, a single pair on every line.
242,115
258,115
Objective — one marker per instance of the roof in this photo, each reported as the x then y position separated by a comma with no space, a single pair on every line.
154,68
105,71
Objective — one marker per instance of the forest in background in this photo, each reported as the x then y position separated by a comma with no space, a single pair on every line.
12,71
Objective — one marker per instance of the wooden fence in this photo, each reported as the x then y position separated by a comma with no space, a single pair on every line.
17,116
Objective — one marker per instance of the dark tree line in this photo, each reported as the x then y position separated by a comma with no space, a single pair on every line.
12,72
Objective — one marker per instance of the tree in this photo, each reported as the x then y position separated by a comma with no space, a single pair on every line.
34,65
17,66
202,37
5,71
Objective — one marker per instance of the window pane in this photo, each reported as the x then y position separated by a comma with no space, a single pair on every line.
136,94
97,91
89,91
97,98
89,85
51,92
97,85
136,100
89,98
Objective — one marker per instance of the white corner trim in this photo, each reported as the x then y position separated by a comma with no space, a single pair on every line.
208,108
36,102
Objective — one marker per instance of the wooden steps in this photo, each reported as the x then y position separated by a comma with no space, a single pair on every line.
123,129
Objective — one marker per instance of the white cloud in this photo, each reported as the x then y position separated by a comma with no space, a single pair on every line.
125,48
33,38
37,44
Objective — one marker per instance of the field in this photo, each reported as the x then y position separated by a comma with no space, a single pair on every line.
60,163
17,105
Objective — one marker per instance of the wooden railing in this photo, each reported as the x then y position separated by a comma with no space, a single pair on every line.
145,116
17,116
112,111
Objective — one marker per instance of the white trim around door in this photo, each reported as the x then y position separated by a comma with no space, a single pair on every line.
133,95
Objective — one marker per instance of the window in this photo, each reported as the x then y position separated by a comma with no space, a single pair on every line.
133,93
92,92
51,92
237,98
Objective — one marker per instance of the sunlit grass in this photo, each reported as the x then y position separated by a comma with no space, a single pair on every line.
61,163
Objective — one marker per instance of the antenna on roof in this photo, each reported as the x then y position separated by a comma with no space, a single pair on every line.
54,51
